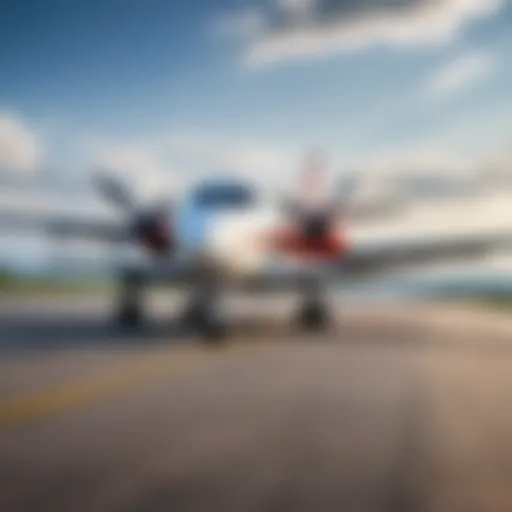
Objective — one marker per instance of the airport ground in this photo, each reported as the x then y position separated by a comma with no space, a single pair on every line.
400,407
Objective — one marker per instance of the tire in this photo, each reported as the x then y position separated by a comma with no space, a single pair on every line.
313,317
129,315
213,332
201,319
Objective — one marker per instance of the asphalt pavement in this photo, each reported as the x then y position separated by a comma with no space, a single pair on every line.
396,408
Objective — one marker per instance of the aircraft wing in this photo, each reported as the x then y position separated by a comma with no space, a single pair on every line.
369,211
104,231
75,224
359,212
380,256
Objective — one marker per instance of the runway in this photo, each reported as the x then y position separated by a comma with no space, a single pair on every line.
397,408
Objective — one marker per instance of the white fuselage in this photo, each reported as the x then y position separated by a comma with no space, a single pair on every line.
234,240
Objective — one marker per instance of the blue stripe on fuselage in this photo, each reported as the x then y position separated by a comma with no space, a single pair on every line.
193,226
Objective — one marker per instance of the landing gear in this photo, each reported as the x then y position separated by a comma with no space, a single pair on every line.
202,317
129,312
313,315
313,312
129,315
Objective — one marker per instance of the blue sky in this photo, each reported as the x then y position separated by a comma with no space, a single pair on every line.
164,87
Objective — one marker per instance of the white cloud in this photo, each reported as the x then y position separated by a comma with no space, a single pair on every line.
432,173
422,160
461,73
298,10
19,148
242,24
139,166
167,165
264,164
299,29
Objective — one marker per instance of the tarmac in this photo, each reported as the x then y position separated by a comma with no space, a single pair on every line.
397,407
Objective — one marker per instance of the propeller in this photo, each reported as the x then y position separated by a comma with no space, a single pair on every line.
312,180
348,185
114,191
312,213
148,226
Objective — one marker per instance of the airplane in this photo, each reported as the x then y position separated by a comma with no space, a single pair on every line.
224,234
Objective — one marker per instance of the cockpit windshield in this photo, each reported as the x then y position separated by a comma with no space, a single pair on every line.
224,196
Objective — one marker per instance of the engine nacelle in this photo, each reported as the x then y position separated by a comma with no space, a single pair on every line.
154,231
314,245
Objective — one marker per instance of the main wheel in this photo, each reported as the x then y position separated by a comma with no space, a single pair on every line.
213,330
129,312
313,316
129,315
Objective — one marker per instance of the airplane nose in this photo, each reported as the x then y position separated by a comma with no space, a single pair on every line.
236,247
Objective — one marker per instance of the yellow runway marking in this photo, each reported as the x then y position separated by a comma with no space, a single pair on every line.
115,381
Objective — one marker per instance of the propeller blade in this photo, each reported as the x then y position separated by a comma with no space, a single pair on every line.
115,191
313,176
348,186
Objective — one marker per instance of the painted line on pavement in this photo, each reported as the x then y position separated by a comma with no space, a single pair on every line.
113,382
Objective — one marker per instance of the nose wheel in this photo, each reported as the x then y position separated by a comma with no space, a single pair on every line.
202,316
206,323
